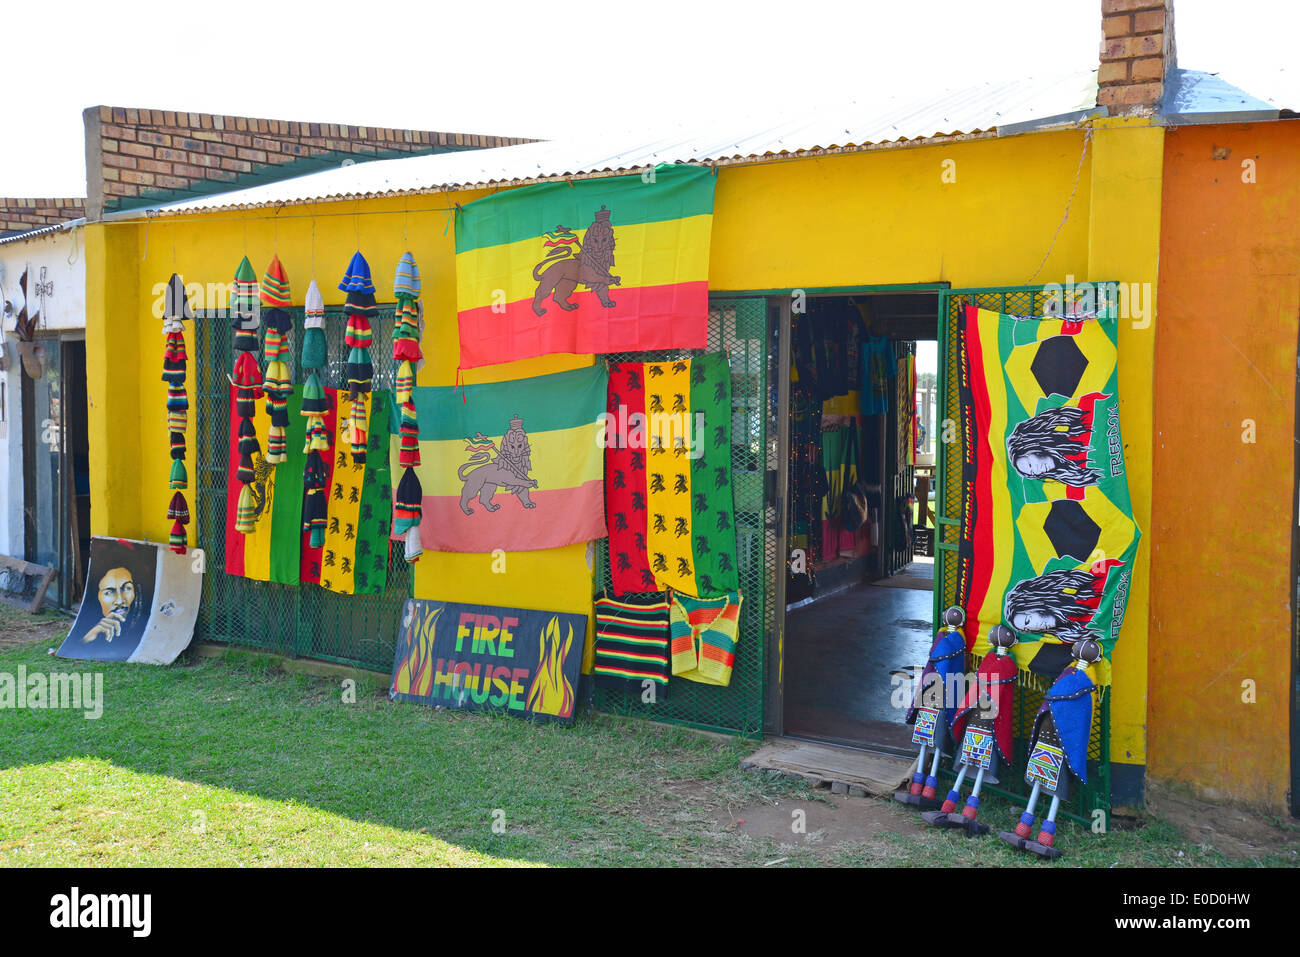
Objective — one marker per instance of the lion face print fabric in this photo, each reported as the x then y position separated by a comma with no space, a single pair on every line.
668,489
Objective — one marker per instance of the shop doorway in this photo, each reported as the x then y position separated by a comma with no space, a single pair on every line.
56,466
860,513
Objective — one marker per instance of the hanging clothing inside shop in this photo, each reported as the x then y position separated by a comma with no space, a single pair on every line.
840,444
807,489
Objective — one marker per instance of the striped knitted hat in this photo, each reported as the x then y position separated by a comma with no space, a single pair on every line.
179,509
357,276
275,285
314,307
361,304
314,399
407,282
245,307
408,503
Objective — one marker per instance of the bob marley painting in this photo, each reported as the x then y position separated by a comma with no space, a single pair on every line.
140,604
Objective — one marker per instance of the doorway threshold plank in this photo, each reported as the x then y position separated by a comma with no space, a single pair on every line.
874,773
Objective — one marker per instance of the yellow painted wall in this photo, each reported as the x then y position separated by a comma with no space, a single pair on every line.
1124,245
316,241
114,372
886,216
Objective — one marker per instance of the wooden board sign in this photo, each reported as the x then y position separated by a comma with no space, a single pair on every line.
485,658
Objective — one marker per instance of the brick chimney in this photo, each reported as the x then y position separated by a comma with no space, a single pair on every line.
136,157
1137,54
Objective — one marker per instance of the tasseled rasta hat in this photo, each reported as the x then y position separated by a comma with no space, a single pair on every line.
315,406
246,318
360,308
176,310
278,384
409,498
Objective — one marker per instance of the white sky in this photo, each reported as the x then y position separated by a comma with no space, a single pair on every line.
533,68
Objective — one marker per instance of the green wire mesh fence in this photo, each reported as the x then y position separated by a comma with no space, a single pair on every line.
296,620
738,327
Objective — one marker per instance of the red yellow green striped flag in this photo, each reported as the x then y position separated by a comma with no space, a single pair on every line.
512,465
618,264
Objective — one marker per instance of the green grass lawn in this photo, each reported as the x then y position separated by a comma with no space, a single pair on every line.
231,761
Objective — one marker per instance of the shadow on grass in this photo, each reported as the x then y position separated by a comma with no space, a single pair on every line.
595,793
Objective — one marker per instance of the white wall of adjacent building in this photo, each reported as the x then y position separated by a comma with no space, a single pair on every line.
56,261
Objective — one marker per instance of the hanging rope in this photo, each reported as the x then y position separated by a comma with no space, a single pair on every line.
1087,137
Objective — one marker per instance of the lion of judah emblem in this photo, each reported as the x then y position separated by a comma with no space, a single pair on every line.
569,262
483,475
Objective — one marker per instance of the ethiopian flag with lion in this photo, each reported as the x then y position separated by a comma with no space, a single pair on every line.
615,264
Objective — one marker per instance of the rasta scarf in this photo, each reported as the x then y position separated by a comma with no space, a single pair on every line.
246,318
353,557
176,309
703,633
632,644
278,384
1050,536
408,502
359,371
668,477
315,407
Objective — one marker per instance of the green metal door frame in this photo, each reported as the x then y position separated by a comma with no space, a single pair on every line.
780,304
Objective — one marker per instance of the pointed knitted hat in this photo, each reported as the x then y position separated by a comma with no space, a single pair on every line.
407,282
275,285
314,307
243,296
176,306
357,277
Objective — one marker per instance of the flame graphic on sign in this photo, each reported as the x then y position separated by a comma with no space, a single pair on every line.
415,676
550,691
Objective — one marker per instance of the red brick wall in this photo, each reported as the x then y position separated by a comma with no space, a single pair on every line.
1137,53
132,153
20,215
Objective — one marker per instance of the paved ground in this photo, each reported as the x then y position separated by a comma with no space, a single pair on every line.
845,655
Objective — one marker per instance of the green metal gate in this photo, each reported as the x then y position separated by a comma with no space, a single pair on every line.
293,620
952,548
740,328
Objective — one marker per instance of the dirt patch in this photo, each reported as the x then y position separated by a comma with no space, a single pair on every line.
817,826
19,628
1236,832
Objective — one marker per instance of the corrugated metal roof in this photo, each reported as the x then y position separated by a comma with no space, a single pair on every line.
880,122
990,109
41,231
